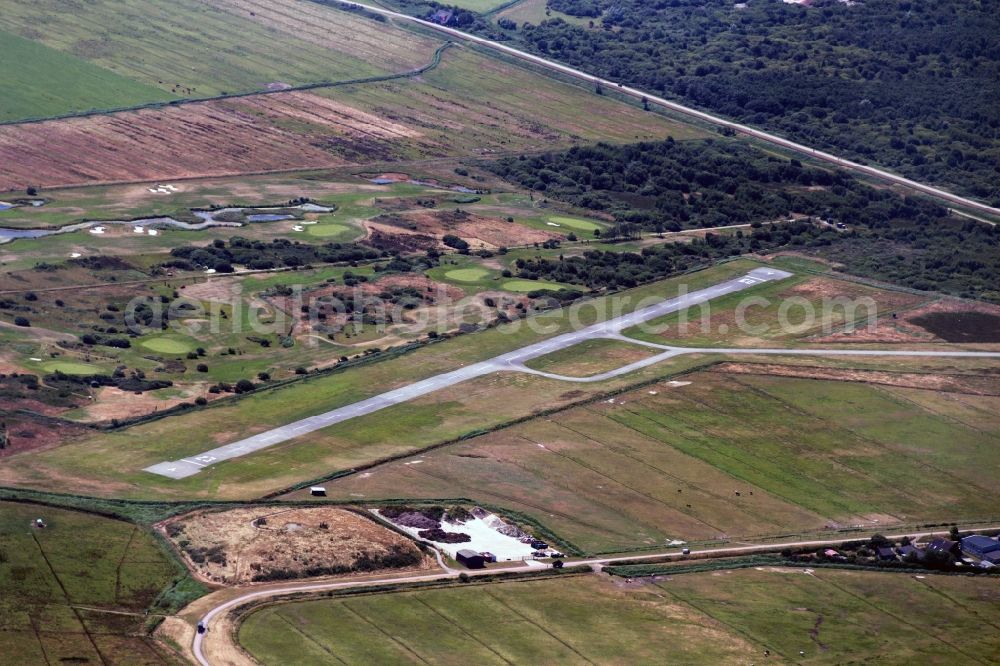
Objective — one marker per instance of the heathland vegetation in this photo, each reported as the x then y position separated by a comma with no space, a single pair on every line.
77,589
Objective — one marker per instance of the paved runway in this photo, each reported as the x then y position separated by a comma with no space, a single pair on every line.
514,362
179,469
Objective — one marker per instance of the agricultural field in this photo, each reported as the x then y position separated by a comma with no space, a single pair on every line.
737,451
283,131
481,105
828,617
76,590
470,105
71,84
193,48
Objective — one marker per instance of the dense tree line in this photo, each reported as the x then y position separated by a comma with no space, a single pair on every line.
873,232
908,84
670,185
940,255
261,255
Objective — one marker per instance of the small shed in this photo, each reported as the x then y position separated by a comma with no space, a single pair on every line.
886,553
470,558
318,491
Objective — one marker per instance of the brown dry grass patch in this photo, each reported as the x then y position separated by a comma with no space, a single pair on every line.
282,131
479,231
904,326
979,384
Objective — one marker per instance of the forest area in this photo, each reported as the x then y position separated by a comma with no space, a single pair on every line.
668,185
909,85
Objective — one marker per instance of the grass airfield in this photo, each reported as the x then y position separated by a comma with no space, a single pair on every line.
699,448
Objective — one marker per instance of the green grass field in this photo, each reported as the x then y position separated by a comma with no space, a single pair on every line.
833,617
536,11
574,223
532,285
78,560
792,311
207,49
166,345
479,6
467,274
331,231
70,367
47,82
665,462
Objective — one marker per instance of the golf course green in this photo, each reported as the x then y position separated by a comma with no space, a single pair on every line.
466,274
327,230
71,368
574,223
531,285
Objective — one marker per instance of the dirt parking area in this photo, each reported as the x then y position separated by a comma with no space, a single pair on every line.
266,543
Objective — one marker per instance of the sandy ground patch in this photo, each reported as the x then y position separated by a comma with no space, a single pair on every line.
273,543
222,290
113,403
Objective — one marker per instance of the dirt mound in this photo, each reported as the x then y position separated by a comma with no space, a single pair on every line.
441,536
269,543
494,522
414,519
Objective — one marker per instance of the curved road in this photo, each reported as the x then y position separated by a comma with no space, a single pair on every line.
688,111
198,646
